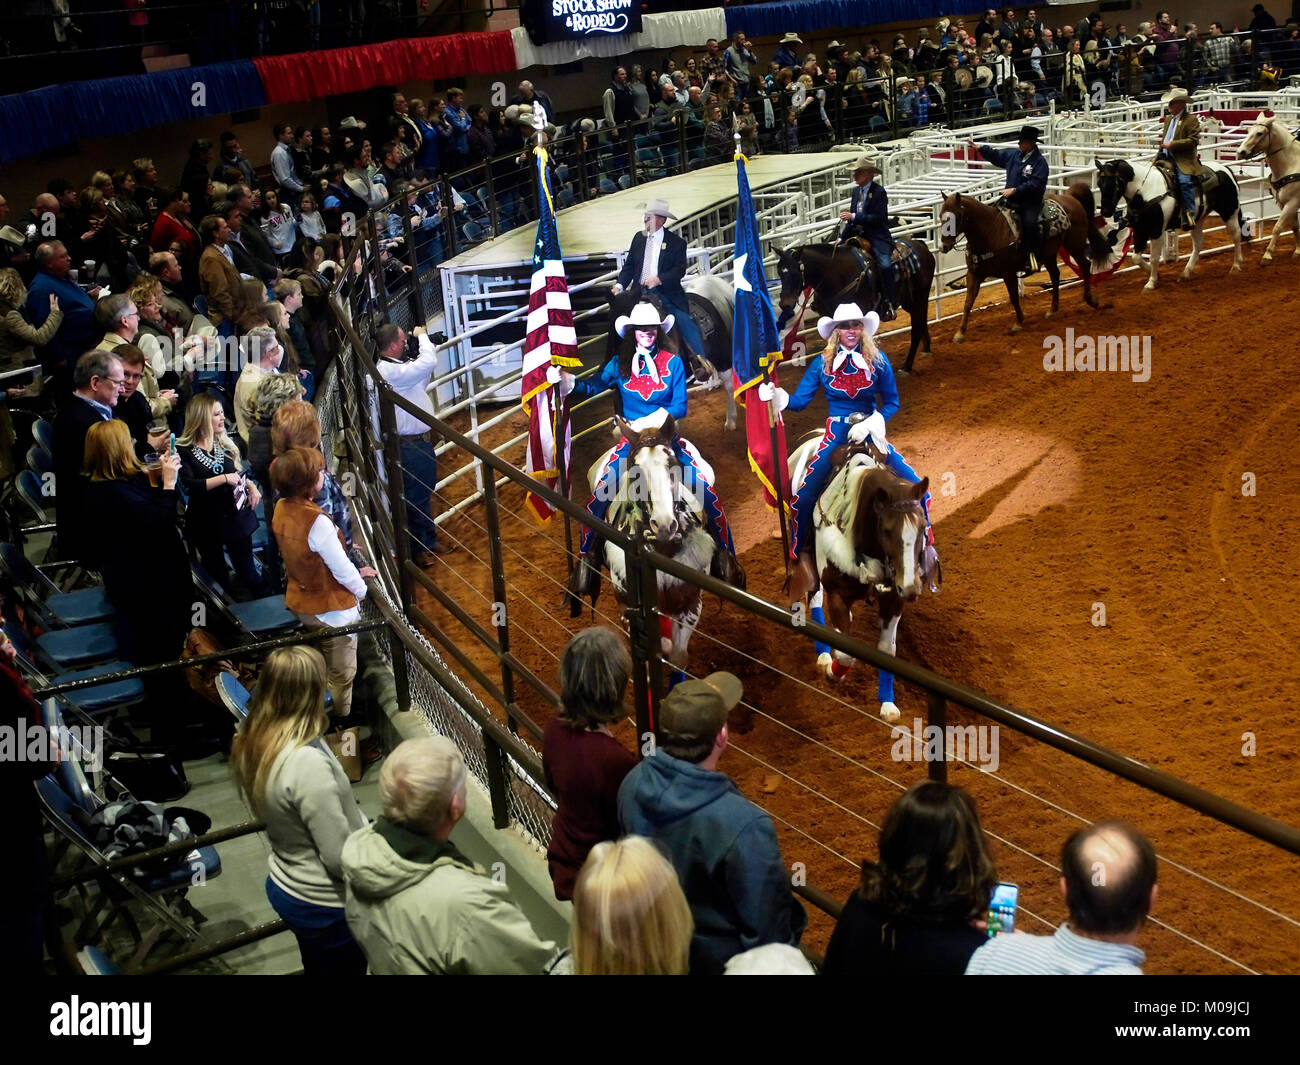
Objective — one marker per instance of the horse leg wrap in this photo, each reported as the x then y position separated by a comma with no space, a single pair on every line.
665,627
838,669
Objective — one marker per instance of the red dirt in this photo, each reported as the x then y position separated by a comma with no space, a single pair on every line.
1053,492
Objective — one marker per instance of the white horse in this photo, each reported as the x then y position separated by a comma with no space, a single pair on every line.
720,295
1280,148
1153,210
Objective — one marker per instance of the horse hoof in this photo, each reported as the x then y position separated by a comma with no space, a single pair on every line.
1236,268
824,663
957,338
1266,259
889,712
730,425
1015,329
1050,314
1149,287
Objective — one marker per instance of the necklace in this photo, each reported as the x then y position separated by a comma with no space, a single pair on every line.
216,461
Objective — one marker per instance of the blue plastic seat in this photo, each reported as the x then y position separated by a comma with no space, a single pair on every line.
233,694
43,433
29,491
180,875
39,461
262,617
82,646
103,698
94,962
81,607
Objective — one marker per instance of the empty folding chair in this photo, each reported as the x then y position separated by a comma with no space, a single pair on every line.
259,618
42,596
43,434
39,461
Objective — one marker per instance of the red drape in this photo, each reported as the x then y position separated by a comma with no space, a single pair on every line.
311,75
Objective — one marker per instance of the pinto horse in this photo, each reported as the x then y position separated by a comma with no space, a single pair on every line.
993,247
1270,137
651,503
1153,209
869,528
840,273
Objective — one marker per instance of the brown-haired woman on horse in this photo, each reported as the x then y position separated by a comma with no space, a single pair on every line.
992,247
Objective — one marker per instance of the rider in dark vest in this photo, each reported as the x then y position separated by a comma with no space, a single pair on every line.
650,379
1026,185
868,218
856,378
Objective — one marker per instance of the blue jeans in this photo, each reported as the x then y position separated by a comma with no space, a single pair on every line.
1187,190
324,939
419,476
691,334
887,273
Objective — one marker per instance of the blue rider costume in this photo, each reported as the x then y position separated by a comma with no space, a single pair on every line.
869,211
857,384
1026,173
658,380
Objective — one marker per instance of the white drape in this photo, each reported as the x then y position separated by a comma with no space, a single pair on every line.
669,30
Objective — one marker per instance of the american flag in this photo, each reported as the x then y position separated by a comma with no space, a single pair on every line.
550,341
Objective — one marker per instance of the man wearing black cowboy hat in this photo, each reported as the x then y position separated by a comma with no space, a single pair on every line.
1026,184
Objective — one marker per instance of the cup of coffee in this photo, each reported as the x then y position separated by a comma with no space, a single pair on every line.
73,277
89,267
153,467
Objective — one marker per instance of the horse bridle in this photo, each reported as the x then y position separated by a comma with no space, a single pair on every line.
880,509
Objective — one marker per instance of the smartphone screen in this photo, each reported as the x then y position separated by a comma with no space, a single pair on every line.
1002,909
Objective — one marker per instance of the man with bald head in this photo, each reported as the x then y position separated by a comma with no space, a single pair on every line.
1108,880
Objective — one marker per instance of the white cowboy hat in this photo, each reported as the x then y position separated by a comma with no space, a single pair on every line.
1173,94
849,312
983,76
660,207
643,316
900,82
791,38
834,46
942,24
865,162
351,123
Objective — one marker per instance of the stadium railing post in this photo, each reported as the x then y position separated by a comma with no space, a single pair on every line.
500,613
643,628
396,495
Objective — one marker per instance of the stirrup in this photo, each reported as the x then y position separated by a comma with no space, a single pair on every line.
931,570
886,311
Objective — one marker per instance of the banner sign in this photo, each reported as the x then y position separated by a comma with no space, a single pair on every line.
571,20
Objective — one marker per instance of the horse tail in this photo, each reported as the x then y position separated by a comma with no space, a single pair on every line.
1098,250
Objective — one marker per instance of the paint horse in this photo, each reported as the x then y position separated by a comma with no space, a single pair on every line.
1151,193
652,503
869,530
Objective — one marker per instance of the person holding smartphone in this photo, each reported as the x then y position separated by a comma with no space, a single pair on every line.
922,907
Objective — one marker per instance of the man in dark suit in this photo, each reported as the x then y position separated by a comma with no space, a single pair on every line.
245,258
98,381
656,262
868,218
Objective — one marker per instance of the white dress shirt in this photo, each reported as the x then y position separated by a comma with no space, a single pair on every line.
323,538
650,264
408,379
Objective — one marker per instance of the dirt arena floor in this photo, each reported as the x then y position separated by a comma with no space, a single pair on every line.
1053,493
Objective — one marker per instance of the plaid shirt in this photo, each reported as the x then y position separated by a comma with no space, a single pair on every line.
1220,51
713,68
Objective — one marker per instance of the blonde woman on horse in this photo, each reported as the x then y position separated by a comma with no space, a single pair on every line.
856,379
649,378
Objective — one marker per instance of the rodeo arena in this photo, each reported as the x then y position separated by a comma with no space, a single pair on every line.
580,487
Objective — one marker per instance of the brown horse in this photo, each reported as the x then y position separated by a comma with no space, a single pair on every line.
993,249
840,273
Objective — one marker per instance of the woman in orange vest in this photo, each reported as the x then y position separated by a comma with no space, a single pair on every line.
324,588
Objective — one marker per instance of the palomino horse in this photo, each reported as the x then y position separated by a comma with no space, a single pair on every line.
1153,209
1282,151
869,542
651,503
711,301
841,273
993,248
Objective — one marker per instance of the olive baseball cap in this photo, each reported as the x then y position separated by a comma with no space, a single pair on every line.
696,710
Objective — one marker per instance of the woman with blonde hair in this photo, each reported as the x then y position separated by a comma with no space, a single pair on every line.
856,378
630,916
222,515
155,341
18,337
293,781
136,547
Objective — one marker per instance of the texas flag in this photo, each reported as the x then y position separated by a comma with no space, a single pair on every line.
756,346
550,341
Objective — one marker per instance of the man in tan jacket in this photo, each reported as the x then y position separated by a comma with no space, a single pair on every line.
218,278
1182,133
414,902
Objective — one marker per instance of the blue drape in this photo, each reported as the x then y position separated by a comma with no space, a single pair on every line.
34,122
774,19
